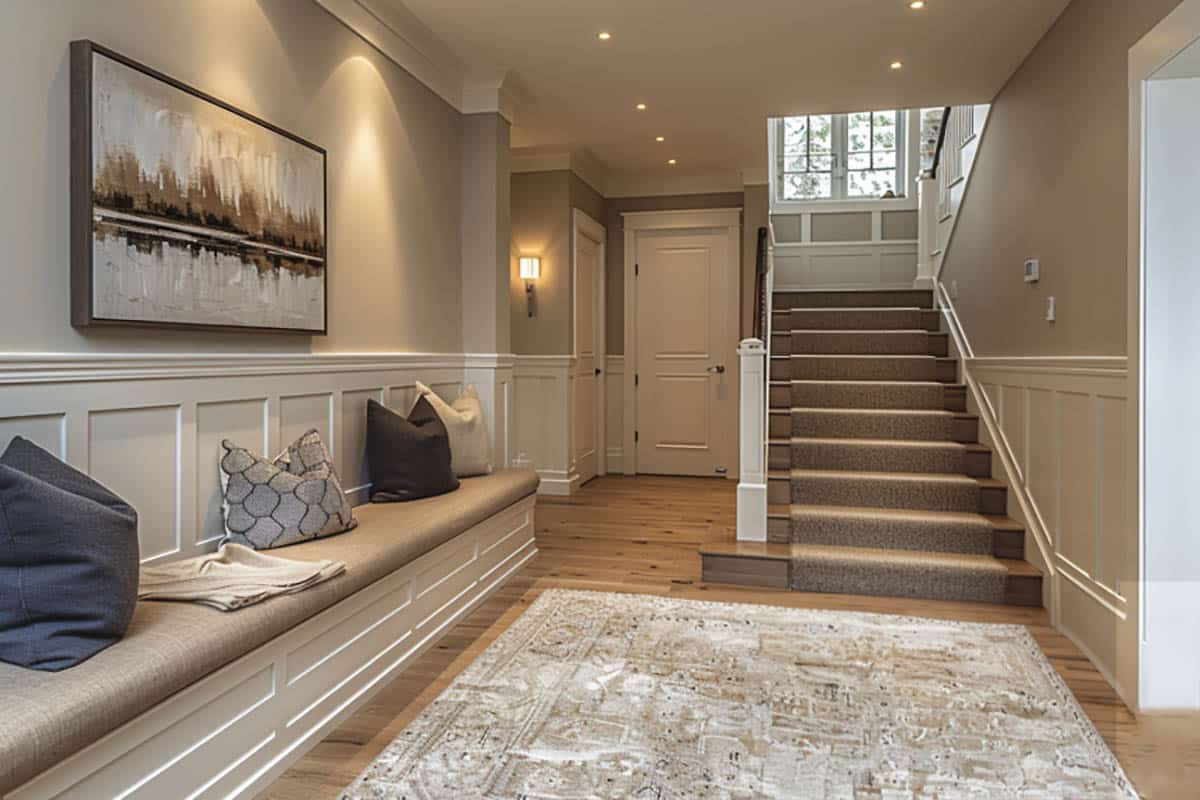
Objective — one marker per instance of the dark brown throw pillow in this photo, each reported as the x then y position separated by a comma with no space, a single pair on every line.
407,458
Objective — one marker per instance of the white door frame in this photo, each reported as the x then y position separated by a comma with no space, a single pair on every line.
1174,34
729,219
582,224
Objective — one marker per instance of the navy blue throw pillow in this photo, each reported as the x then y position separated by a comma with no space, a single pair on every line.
68,561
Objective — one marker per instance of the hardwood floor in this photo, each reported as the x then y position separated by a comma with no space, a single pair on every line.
642,535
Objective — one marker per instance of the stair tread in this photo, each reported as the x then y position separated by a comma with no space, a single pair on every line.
915,515
861,331
888,443
896,412
788,552
921,356
923,477
872,384
931,412
909,558
843,309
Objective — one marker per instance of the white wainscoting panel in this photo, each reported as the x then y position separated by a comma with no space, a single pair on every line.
614,412
150,427
851,265
1058,428
543,398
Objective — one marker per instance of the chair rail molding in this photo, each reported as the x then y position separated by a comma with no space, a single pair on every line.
1057,429
150,426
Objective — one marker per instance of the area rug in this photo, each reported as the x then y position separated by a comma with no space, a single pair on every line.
596,695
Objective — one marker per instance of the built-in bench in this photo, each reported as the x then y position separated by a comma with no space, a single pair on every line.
195,702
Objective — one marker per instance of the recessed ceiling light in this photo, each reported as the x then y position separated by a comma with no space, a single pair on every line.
672,162
660,138
604,36
640,106
897,65
917,5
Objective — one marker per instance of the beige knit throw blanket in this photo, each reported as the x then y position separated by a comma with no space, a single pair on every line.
233,577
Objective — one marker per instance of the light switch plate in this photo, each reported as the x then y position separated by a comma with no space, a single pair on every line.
1033,270
1051,309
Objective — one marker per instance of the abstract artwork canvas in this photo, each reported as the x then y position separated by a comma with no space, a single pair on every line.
187,211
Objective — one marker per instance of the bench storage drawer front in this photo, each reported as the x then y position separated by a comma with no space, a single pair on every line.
235,731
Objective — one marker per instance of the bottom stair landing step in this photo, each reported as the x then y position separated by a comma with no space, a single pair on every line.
828,569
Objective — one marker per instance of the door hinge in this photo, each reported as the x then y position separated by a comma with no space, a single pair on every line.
635,436
636,379
637,269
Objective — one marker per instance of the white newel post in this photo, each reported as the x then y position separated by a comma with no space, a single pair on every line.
927,229
752,486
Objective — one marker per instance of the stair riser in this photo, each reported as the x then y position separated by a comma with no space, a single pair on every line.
876,458
815,368
779,425
881,395
880,425
917,298
779,491
887,580
779,530
915,495
912,535
898,343
848,320
779,456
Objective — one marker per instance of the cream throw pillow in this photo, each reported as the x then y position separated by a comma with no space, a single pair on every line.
470,444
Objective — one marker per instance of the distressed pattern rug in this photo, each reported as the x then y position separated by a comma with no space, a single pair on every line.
595,695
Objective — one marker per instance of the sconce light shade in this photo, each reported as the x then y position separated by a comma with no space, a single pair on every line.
531,268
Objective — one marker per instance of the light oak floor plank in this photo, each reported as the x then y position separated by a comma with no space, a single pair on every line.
642,535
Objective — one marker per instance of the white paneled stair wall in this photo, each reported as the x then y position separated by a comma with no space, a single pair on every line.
964,133
1057,427
151,427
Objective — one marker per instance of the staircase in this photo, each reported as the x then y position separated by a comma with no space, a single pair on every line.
877,483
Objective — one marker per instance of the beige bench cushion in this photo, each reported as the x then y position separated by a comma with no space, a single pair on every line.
47,717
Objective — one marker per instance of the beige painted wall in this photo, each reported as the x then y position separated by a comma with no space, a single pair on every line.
394,166
1050,183
615,256
541,226
486,234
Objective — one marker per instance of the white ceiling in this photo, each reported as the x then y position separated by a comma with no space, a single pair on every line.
711,71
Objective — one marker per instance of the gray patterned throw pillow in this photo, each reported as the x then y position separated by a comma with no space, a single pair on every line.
296,497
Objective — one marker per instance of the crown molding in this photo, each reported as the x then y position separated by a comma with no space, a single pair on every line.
397,33
583,163
658,184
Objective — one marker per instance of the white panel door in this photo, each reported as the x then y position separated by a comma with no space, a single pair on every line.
589,342
686,340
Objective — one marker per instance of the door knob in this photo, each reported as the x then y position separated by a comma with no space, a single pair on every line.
719,369
597,370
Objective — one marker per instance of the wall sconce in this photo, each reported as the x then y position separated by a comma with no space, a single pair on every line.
531,270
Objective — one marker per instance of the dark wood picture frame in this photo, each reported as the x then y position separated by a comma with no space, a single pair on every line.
82,195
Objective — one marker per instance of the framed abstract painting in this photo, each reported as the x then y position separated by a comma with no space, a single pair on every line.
187,212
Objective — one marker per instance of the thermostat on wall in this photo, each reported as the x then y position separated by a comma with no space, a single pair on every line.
1033,270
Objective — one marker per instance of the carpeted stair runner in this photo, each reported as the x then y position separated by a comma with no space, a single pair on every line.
895,573
878,484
